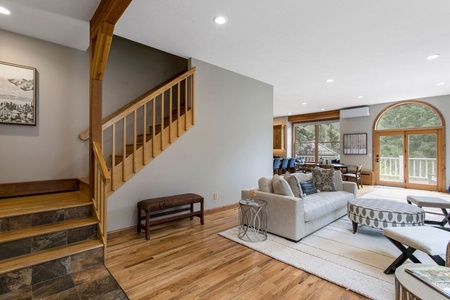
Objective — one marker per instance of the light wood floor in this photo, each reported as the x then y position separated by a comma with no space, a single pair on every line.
186,260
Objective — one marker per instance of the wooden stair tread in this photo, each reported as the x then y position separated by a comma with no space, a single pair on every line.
19,234
28,260
39,203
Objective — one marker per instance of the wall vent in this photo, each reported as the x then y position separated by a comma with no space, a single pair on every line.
354,112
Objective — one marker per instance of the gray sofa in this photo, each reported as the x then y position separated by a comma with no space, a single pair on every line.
296,216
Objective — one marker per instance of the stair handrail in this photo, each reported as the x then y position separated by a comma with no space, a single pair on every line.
121,113
101,179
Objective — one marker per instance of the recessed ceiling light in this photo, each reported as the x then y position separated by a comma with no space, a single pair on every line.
322,109
289,114
441,83
360,97
220,20
304,103
329,80
433,56
4,11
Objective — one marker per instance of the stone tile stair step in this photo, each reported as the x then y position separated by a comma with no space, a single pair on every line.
17,206
28,260
23,233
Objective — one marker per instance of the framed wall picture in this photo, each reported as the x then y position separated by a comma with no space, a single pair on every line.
17,94
279,137
355,143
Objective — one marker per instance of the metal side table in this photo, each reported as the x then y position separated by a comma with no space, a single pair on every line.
253,220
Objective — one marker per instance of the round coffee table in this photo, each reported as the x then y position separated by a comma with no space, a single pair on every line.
381,213
409,287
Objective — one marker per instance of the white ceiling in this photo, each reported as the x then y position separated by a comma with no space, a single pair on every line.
371,48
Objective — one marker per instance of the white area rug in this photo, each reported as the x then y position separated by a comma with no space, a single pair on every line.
354,261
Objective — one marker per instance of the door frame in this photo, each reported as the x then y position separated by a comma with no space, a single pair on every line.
440,157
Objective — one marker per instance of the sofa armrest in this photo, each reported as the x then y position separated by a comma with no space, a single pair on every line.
350,187
286,215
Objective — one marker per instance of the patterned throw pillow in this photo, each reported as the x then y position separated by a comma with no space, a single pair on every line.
324,179
295,185
308,187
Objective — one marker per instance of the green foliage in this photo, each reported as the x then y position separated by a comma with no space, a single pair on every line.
409,115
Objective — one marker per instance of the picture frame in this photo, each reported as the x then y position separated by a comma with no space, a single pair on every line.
17,94
355,144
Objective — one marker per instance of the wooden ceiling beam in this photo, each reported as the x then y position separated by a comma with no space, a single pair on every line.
108,11
320,116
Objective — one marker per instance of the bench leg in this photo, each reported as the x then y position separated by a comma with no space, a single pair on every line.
202,209
406,253
192,210
147,225
138,220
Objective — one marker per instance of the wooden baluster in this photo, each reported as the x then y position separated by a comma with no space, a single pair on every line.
144,132
162,120
113,157
170,115
124,148
186,104
192,99
178,109
153,127
134,140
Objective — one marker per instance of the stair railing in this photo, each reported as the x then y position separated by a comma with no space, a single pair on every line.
101,179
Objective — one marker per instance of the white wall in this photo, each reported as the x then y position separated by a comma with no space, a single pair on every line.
226,151
52,149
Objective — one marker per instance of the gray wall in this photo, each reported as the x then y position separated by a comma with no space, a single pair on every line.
223,153
52,150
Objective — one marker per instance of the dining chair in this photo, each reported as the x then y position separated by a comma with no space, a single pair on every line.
291,165
284,165
276,165
354,175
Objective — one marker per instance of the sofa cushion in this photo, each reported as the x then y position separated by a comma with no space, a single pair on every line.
338,180
321,204
295,186
324,179
308,187
302,176
281,186
265,184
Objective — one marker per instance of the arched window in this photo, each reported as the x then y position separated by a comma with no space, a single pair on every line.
409,146
408,115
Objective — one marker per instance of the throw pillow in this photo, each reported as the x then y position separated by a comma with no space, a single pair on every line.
265,184
308,187
295,185
281,187
324,179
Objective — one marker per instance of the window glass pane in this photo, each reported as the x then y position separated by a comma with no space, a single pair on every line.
305,139
409,115
327,142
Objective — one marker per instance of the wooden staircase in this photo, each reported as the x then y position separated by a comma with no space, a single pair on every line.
45,236
51,229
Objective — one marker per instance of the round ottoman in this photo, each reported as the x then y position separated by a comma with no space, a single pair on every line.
381,213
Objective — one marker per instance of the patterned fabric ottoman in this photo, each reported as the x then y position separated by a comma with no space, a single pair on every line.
380,213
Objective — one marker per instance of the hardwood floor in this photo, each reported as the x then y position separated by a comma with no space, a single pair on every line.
186,260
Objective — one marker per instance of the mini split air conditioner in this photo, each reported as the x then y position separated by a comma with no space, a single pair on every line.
354,112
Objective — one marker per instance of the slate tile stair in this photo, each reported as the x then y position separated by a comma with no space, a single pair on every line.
49,249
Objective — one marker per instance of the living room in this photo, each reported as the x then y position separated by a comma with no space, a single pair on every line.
228,149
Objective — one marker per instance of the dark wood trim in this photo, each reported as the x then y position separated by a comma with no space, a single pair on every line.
320,116
37,187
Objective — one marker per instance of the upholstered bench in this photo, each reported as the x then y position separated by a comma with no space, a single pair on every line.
433,241
160,210
381,213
